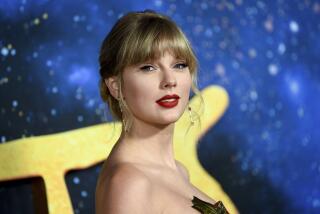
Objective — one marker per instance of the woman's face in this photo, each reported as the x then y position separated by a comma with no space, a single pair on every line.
146,83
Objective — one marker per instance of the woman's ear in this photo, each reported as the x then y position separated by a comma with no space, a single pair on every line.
113,86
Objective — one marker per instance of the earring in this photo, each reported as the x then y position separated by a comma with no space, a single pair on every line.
124,122
125,125
190,116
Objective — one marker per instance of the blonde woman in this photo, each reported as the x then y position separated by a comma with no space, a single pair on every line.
147,70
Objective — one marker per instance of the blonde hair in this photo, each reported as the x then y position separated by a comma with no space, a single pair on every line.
138,37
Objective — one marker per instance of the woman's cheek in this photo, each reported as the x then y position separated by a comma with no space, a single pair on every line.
138,94
132,86
186,87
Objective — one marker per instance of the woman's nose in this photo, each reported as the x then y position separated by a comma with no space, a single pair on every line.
169,79
170,84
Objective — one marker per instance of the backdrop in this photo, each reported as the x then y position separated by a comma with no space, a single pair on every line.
266,54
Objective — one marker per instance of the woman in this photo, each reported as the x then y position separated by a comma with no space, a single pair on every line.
147,69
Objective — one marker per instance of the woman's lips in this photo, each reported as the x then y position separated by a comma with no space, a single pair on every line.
168,103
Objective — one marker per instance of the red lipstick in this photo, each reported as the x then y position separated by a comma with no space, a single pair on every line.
168,101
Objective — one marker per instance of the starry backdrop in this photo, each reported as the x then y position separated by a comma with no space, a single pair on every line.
266,54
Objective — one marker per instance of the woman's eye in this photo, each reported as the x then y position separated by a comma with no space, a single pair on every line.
147,68
181,65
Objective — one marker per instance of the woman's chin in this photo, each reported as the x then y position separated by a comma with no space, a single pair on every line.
168,119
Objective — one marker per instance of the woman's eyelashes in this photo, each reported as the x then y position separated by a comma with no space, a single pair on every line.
181,65
148,68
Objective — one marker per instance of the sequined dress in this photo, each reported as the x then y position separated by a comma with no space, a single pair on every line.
208,208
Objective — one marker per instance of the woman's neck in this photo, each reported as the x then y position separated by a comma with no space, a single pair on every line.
151,144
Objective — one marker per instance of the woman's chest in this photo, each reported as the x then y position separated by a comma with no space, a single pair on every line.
172,201
173,196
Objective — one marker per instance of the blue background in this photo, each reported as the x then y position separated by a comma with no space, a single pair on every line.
266,54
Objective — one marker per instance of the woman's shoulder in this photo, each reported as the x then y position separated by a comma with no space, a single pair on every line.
126,174
123,177
128,187
126,180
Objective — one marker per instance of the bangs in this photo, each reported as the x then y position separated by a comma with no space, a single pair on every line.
152,39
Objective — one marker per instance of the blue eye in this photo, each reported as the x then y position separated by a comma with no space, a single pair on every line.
181,65
147,68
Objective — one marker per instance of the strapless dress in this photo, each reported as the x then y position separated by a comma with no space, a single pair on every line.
208,208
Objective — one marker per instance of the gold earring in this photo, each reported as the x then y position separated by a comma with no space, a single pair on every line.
124,122
190,116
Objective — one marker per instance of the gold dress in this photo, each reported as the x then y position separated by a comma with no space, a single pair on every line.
207,208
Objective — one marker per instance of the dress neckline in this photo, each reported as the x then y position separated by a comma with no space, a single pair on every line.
208,208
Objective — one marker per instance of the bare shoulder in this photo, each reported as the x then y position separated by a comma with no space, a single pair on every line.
127,190
184,170
127,172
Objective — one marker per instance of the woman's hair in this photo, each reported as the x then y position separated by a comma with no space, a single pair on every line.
138,37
